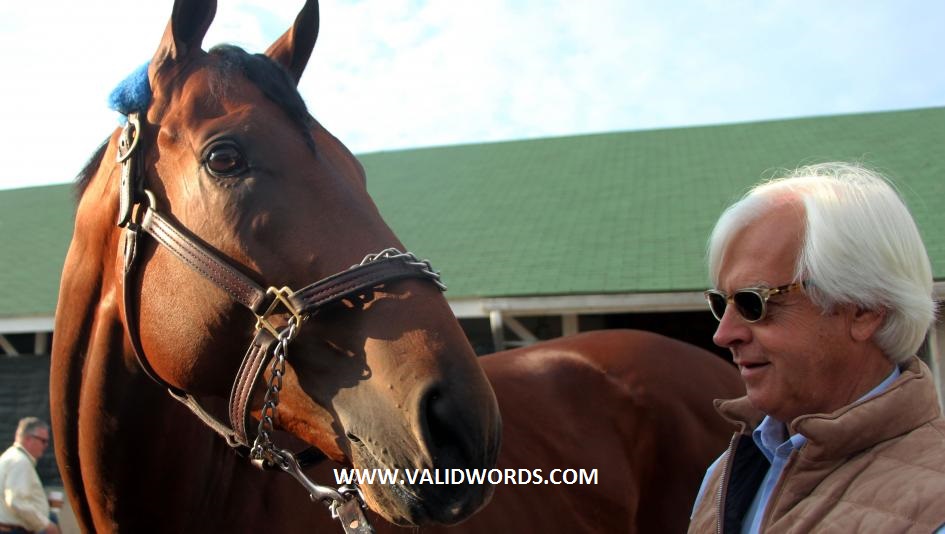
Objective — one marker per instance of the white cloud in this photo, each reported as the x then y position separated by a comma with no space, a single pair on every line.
390,74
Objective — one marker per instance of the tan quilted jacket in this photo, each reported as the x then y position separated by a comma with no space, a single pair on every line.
873,466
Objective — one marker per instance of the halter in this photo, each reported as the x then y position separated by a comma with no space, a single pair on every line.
138,213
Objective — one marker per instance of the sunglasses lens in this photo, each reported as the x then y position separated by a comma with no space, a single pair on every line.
716,304
750,305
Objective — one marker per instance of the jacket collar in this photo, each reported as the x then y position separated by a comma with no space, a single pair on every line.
910,402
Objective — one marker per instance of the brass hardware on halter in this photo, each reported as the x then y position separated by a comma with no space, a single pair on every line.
281,297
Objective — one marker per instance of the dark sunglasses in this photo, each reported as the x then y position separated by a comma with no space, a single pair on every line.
44,440
751,302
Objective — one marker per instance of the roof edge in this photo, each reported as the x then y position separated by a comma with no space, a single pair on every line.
675,301
593,133
26,325
468,308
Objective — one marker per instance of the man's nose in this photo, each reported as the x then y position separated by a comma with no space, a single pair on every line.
732,330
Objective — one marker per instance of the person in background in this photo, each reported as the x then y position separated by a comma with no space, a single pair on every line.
823,293
25,507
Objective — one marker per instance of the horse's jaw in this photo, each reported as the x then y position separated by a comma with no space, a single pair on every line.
418,440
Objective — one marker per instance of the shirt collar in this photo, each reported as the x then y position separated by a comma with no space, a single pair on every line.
769,436
26,452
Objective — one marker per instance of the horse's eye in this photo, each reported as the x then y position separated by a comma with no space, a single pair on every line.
225,161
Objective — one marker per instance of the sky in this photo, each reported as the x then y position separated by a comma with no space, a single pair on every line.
397,74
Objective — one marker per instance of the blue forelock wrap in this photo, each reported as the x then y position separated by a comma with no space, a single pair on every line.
133,93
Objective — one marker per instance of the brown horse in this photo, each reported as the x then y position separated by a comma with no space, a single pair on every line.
225,180
634,406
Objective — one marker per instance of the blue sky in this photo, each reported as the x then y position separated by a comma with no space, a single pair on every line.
392,74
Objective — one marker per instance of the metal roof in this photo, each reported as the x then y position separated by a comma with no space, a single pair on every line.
614,213
628,212
35,230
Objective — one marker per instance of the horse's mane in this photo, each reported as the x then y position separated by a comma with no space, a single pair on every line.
270,77
84,177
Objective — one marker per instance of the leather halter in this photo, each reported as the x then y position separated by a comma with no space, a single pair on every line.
138,217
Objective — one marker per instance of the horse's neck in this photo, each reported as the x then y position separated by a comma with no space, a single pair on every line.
86,317
97,391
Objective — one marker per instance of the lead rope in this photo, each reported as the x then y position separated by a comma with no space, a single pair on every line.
346,503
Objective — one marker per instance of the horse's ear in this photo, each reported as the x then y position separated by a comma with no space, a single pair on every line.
293,49
184,34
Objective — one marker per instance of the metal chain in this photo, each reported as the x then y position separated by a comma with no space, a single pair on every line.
346,504
410,259
263,449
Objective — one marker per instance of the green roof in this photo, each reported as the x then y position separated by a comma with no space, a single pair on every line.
35,230
624,212
628,212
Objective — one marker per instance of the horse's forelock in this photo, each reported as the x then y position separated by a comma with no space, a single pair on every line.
270,77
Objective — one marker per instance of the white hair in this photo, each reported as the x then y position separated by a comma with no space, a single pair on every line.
861,247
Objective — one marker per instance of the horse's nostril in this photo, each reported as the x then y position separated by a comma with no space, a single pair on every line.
442,426
352,438
449,439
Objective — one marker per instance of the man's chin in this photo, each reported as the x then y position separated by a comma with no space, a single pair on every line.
760,399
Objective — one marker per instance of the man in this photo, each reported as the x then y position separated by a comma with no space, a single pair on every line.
25,507
823,298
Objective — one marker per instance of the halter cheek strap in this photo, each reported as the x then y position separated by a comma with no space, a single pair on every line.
138,215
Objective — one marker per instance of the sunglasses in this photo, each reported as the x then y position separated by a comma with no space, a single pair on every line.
45,441
751,302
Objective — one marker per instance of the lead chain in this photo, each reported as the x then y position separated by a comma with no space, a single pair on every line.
263,449
347,506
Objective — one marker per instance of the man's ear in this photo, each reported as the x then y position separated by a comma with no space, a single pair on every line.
866,322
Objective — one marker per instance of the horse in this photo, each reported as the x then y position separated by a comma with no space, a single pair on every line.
219,184
632,407
222,179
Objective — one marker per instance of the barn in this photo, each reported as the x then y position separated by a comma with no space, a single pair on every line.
544,237
537,238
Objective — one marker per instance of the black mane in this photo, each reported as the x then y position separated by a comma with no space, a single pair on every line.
84,177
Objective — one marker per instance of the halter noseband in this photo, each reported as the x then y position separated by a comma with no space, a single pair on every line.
271,339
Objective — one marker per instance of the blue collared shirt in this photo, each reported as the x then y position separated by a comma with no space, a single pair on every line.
772,440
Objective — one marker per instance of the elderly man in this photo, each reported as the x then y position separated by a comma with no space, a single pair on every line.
823,297
25,507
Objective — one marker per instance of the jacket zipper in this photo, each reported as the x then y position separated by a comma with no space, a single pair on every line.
723,483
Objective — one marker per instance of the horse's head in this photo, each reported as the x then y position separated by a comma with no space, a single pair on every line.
382,377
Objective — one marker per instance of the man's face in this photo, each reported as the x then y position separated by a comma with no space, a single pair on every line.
797,360
36,441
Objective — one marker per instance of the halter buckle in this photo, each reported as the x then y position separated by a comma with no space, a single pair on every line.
281,297
128,186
